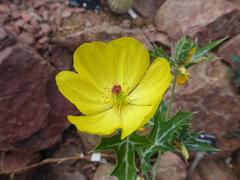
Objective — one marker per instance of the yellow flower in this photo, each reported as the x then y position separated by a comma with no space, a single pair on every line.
183,75
114,86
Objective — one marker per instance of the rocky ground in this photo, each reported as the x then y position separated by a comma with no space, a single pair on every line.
37,39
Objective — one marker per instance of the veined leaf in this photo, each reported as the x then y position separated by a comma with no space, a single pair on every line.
205,49
192,141
125,152
162,135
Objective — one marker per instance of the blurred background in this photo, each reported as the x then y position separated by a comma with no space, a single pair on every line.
38,38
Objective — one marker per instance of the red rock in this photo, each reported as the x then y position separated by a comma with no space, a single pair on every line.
34,110
45,28
101,33
205,20
64,46
6,39
212,170
23,96
195,176
160,39
172,167
70,146
30,28
232,47
43,40
57,121
15,15
4,8
126,23
71,176
89,141
236,163
103,172
66,13
26,17
35,23
19,23
210,93
4,18
36,16
17,2
15,160
26,38
38,4
45,15
147,8
13,29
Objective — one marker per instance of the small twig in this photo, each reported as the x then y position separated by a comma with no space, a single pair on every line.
53,160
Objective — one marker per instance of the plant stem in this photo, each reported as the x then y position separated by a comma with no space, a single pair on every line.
154,173
169,109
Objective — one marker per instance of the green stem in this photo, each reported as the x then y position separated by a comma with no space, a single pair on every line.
169,109
154,173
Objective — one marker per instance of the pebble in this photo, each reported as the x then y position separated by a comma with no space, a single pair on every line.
88,23
45,28
19,23
13,29
45,15
71,176
38,4
15,15
36,16
103,172
30,28
43,40
3,34
126,23
35,23
4,8
26,17
26,38
66,14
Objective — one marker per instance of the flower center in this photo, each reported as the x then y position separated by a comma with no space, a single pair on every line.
116,89
119,97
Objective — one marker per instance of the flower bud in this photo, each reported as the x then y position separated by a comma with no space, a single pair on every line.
183,75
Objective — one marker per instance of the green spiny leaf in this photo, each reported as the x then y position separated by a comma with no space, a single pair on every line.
125,152
192,141
162,135
205,49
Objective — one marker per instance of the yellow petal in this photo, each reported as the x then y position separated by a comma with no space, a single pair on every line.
86,98
94,63
131,61
153,85
134,117
104,123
